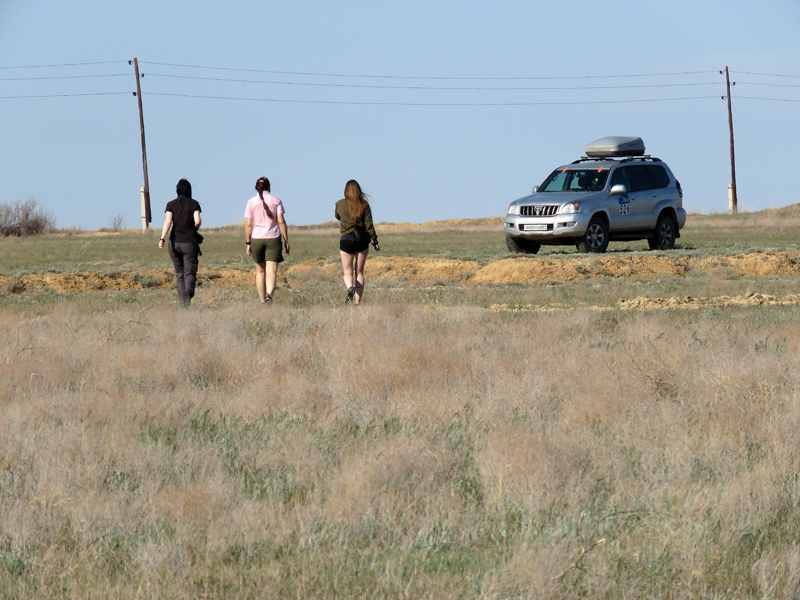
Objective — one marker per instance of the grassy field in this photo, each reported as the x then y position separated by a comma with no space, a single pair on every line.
424,445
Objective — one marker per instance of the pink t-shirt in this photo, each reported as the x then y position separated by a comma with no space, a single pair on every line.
264,228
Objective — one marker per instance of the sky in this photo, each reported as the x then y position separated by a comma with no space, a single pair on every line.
441,109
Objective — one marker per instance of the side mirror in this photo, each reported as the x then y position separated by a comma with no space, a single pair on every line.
535,189
618,189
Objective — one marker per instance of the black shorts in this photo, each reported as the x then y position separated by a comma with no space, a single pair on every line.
355,242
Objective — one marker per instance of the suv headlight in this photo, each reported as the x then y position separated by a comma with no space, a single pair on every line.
569,208
513,209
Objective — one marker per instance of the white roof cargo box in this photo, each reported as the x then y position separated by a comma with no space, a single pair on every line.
615,146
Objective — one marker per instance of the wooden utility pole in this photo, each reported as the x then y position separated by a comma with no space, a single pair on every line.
146,215
733,201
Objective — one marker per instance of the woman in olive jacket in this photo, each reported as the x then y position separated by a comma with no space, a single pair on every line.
357,231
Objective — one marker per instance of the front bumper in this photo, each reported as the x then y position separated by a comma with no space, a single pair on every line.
544,229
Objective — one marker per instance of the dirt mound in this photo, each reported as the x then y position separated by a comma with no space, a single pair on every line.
566,269
390,270
756,264
646,303
90,281
395,270
386,270
750,299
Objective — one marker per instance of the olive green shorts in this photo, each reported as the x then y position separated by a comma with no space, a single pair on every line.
270,250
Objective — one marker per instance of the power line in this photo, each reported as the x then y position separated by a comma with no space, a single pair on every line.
791,85
399,87
765,99
315,74
356,103
65,95
766,74
63,77
396,87
83,64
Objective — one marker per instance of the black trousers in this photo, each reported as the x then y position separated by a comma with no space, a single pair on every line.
184,257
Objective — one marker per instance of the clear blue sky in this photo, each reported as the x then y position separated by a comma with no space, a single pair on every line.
422,154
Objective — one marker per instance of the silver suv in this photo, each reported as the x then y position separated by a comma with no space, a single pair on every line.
615,192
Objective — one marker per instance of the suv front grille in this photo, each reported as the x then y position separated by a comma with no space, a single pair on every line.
538,210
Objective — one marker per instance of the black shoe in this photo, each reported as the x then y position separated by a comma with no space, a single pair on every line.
351,293
268,299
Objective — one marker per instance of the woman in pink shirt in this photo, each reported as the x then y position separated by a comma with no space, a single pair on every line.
263,229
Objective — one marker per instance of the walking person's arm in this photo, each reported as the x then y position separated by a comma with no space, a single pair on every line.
165,229
248,235
284,232
370,227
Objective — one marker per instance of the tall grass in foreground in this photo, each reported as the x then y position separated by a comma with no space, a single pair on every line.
398,451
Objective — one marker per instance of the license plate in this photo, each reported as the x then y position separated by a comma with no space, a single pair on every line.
537,227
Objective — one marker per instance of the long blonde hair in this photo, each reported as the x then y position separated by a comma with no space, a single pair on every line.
261,185
356,200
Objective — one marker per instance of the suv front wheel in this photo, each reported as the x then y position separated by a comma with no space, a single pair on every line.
521,246
664,234
596,237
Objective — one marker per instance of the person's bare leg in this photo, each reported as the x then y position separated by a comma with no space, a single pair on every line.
360,260
272,277
348,261
261,276
347,268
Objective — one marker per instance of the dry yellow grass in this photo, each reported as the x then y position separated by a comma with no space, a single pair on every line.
398,450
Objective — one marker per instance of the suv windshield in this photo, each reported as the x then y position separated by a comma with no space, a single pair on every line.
575,180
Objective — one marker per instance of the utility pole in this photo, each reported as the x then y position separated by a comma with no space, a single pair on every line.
733,201
145,191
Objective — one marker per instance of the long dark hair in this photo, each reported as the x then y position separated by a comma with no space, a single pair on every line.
262,185
184,188
356,200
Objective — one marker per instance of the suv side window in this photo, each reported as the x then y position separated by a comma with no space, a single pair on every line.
620,177
640,178
659,176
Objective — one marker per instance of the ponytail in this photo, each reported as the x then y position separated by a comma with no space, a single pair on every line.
261,185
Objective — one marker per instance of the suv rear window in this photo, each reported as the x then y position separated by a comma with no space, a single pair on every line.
638,178
659,176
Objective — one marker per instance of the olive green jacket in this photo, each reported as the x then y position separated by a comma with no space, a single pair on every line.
347,225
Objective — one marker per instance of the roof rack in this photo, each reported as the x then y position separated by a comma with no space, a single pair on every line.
643,157
620,159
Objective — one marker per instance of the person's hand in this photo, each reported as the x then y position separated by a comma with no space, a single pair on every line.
377,247
249,250
286,246
161,243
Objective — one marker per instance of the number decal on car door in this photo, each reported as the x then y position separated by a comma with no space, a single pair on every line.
624,205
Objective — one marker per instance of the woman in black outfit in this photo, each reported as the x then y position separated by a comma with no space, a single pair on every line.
183,215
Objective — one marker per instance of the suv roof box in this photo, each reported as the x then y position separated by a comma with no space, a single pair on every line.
615,146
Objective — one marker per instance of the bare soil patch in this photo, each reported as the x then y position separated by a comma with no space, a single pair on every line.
647,303
425,271
754,264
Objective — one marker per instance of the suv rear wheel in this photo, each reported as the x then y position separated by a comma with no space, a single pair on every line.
664,234
596,237
522,246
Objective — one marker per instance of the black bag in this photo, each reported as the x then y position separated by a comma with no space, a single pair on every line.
359,237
